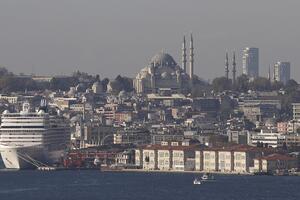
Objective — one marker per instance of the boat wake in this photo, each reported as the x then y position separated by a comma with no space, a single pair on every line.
17,190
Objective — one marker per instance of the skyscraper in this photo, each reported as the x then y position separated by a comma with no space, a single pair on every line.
251,62
269,74
282,72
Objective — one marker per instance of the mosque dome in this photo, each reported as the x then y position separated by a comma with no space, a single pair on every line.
163,59
72,91
96,84
41,112
5,112
97,87
122,94
113,86
163,72
165,75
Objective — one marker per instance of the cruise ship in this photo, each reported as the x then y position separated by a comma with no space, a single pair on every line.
33,139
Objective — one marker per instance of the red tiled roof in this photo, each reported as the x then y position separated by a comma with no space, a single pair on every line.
277,157
196,147
170,147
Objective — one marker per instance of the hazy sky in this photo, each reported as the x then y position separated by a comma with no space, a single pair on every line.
111,37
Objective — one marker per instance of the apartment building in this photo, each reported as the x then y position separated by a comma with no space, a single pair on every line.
199,160
282,127
183,159
138,154
171,156
149,159
240,162
274,162
237,159
225,161
210,160
167,156
164,159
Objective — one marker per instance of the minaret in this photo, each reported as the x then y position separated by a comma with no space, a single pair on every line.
274,74
184,55
191,58
233,69
226,67
269,74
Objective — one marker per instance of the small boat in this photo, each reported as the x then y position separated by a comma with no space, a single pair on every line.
97,161
206,177
196,182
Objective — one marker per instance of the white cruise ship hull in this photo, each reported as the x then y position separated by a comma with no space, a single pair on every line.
28,157
32,139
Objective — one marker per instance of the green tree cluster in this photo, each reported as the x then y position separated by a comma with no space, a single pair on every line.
221,84
125,83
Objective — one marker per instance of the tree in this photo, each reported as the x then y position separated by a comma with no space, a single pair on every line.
104,83
12,83
226,107
97,77
260,84
291,86
292,95
63,83
242,83
221,84
3,72
276,85
125,82
248,124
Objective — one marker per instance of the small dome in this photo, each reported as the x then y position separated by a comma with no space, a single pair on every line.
5,112
113,86
165,75
96,84
122,94
41,112
80,87
75,119
72,91
97,87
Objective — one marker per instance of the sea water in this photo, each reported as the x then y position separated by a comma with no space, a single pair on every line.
93,184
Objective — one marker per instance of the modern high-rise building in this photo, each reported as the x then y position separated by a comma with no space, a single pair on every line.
251,62
282,72
296,111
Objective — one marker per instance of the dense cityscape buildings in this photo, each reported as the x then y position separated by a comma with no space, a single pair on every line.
149,100
169,119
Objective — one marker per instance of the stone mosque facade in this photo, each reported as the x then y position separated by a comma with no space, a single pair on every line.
163,73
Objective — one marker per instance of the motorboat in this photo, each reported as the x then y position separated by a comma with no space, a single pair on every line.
196,181
206,177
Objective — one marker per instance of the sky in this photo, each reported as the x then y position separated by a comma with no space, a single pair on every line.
112,37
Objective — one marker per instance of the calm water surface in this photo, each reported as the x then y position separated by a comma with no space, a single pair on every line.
81,185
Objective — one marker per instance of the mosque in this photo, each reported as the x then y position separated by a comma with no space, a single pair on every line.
163,73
